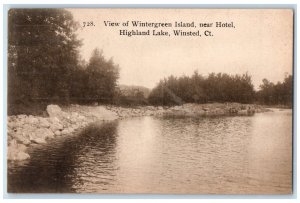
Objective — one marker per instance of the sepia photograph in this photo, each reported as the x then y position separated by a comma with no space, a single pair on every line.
150,101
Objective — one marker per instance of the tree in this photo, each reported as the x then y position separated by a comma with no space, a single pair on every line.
42,53
102,78
274,94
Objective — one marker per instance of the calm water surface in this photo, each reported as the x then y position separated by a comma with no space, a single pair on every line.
221,155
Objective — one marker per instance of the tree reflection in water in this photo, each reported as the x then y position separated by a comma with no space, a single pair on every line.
62,165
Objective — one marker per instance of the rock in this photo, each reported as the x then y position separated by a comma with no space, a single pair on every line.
65,131
27,127
53,120
15,124
81,117
38,140
175,108
54,111
32,120
101,113
200,113
84,123
71,130
43,122
9,135
233,110
16,146
10,124
22,138
74,114
22,156
17,156
160,112
16,152
40,135
73,120
56,126
75,126
22,147
242,112
21,116
258,110
57,133
44,133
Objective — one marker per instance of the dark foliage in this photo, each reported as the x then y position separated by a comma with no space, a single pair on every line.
276,94
42,54
44,62
95,81
198,89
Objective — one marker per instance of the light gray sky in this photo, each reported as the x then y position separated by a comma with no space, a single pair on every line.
261,43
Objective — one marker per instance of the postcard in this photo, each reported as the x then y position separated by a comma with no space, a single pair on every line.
150,101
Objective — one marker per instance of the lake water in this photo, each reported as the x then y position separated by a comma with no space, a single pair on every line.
220,155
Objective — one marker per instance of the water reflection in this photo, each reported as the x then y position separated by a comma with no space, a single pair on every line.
68,165
220,155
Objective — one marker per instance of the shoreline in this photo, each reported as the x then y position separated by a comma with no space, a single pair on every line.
25,131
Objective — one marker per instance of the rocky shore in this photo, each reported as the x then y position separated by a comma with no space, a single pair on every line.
23,131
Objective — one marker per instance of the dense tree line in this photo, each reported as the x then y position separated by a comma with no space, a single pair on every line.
276,94
219,87
44,66
44,63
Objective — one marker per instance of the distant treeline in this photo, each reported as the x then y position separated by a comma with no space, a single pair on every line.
276,94
198,89
44,66
220,87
